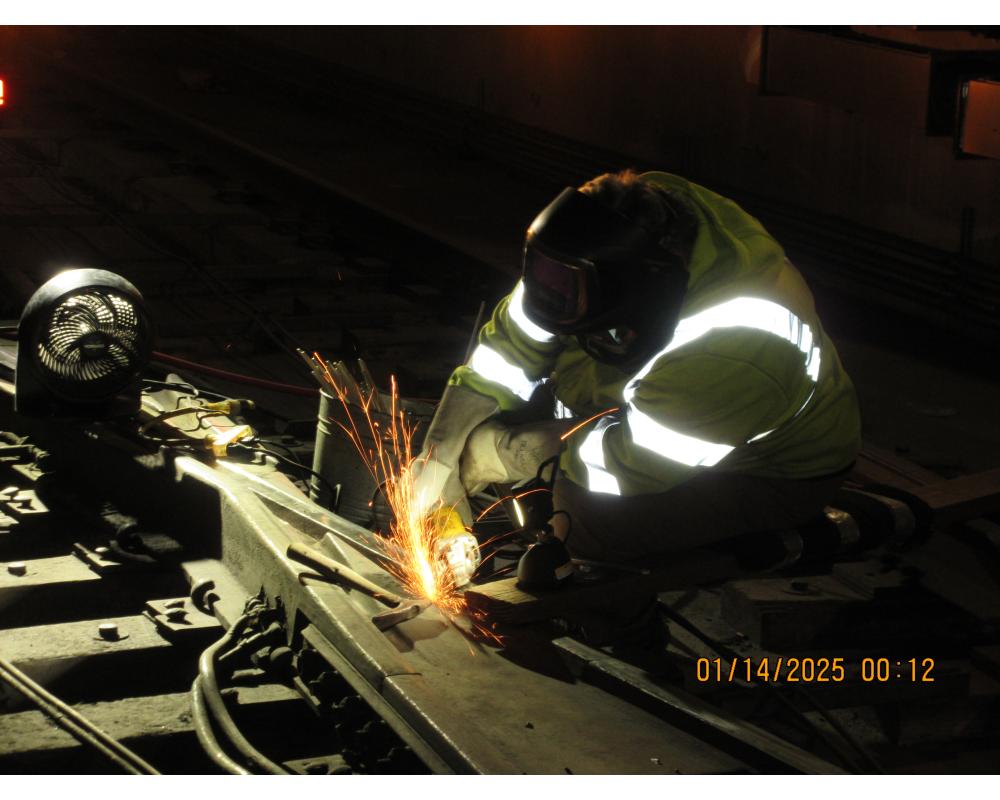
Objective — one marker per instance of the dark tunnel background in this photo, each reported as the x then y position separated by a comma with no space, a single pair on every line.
872,154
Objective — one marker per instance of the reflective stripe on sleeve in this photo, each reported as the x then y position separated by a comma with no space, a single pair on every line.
592,454
492,366
515,309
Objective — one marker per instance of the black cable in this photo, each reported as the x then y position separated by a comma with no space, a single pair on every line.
200,391
498,574
284,447
290,462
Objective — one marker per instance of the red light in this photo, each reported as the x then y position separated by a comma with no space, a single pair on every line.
1,91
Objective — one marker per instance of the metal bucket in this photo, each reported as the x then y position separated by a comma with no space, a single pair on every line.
337,460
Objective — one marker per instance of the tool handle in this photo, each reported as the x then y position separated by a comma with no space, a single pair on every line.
323,563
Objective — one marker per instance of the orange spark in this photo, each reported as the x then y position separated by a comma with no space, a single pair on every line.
413,535
587,421
491,506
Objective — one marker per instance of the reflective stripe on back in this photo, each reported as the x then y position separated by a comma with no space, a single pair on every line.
741,312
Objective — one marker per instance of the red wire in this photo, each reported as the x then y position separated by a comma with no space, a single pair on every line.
287,388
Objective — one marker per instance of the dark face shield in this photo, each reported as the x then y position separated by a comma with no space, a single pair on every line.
592,272
558,294
577,256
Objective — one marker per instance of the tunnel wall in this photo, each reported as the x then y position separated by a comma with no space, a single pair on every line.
687,98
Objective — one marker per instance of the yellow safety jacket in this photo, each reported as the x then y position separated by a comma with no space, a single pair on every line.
749,383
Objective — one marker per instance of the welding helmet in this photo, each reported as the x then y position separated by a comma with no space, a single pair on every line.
592,272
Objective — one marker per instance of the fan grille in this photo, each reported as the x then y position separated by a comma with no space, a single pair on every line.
93,342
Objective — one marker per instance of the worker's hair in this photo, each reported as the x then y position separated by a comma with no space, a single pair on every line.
653,207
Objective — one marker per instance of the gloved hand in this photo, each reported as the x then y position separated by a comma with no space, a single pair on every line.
436,475
495,453
437,489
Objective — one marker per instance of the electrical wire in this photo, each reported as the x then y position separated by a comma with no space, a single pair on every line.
236,377
188,388
182,412
258,448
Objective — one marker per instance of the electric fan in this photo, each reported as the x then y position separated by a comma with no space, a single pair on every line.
83,338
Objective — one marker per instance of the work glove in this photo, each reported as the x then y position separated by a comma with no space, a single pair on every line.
437,488
495,453
436,473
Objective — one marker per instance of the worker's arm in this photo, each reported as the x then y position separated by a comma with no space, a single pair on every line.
688,414
511,358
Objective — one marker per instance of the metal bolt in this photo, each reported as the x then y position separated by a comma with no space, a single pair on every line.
176,614
178,602
108,631
17,568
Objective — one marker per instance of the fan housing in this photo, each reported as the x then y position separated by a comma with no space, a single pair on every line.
83,339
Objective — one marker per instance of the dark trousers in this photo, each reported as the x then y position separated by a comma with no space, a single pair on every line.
710,507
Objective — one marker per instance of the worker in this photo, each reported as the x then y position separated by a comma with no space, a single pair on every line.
670,313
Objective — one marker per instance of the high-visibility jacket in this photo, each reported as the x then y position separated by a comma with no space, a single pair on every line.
749,383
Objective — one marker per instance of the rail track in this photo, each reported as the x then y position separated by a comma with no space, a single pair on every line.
242,259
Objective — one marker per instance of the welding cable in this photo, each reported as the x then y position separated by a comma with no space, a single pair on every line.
74,723
730,655
208,687
190,390
235,377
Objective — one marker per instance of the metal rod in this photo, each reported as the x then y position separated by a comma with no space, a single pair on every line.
209,689
74,723
206,736
475,331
